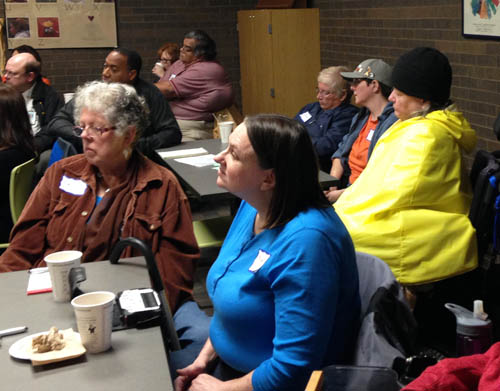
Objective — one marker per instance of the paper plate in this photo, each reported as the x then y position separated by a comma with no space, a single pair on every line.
22,349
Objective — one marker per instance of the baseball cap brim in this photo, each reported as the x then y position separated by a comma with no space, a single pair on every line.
354,75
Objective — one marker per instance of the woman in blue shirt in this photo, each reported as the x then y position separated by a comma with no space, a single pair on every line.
285,284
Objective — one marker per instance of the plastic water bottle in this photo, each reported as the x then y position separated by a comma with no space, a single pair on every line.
474,330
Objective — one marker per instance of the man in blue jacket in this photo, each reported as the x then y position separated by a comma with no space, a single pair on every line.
371,85
328,119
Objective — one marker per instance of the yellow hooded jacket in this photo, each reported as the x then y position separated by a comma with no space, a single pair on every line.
409,206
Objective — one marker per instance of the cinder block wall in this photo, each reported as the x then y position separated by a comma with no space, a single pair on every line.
144,25
354,30
351,31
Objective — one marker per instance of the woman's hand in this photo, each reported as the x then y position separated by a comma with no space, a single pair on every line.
206,382
186,376
333,194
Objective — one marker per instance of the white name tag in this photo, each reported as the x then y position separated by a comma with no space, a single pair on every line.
171,77
259,261
305,116
370,135
72,186
32,116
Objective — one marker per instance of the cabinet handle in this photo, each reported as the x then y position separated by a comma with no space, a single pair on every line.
272,92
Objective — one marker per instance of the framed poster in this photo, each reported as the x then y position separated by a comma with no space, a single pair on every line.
46,24
480,19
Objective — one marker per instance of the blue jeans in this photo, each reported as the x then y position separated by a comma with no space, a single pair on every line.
192,326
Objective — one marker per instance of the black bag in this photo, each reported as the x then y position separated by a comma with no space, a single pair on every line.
485,217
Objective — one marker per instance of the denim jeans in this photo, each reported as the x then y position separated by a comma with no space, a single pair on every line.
192,326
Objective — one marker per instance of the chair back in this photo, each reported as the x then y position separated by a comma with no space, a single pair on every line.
60,150
351,378
388,328
211,232
21,185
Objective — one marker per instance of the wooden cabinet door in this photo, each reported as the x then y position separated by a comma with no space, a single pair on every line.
256,61
296,58
279,59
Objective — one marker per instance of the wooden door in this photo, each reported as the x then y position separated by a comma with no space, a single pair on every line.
296,58
256,56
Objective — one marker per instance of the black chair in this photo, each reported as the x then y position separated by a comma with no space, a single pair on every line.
169,335
388,328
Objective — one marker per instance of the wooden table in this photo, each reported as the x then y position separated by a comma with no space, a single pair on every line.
136,360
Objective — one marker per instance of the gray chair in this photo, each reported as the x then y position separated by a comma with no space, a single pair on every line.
376,349
382,338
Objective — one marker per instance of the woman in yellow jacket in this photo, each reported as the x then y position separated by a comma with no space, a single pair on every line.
410,205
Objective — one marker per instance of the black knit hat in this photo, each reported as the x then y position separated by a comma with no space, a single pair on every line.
424,73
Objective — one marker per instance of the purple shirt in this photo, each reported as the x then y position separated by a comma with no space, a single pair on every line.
201,89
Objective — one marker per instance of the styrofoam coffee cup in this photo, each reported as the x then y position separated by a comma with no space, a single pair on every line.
225,129
94,318
59,264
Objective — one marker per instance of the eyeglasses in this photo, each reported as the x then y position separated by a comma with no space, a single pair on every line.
323,92
165,60
6,73
93,131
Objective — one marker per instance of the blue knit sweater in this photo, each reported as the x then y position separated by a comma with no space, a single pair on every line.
286,301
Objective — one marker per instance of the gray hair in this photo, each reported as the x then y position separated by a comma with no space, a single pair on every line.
117,102
333,79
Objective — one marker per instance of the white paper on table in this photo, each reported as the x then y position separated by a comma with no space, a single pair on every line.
178,153
39,282
198,161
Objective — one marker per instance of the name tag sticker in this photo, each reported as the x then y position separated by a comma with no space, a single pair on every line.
305,116
72,186
370,135
32,116
259,261
172,76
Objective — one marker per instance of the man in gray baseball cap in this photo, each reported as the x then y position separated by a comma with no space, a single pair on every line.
372,69
371,85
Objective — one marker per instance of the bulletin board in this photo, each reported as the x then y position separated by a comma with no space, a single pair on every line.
46,24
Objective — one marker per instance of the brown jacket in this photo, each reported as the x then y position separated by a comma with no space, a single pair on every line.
157,211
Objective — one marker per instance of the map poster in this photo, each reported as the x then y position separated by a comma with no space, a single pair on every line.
48,24
481,18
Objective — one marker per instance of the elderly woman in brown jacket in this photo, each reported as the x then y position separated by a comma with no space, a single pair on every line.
88,202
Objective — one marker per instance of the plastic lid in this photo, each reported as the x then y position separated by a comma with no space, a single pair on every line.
467,323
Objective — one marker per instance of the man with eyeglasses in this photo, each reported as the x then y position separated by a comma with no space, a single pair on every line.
371,84
196,86
23,72
123,66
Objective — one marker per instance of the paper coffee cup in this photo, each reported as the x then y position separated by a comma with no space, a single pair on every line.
94,318
225,129
59,264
